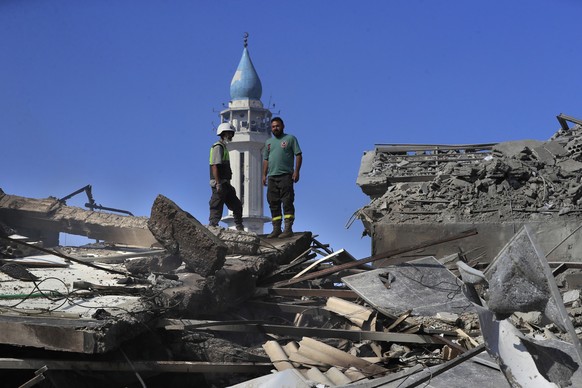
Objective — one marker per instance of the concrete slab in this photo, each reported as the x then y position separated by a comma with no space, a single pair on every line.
51,314
574,280
48,217
286,378
570,165
472,372
182,234
528,362
423,285
555,148
513,148
520,279
560,237
544,155
237,242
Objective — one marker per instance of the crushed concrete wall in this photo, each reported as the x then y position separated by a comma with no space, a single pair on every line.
497,188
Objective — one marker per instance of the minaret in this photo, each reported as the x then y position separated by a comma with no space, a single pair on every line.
252,124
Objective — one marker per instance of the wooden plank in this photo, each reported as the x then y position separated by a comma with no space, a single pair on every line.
394,252
320,292
432,373
354,335
303,257
288,308
137,366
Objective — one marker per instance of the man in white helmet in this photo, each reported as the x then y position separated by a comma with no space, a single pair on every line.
220,174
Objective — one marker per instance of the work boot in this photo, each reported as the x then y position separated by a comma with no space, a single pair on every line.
276,229
240,227
288,232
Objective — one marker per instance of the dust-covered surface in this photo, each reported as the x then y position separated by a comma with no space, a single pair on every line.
245,320
214,307
78,305
54,291
520,180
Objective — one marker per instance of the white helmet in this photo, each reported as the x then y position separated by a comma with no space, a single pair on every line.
224,127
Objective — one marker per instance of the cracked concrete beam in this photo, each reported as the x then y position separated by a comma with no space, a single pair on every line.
183,235
45,218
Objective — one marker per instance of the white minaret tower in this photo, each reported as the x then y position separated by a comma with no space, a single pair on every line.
252,123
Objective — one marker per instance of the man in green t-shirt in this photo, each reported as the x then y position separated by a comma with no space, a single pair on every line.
282,159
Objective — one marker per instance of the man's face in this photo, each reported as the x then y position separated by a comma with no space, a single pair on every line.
277,128
228,135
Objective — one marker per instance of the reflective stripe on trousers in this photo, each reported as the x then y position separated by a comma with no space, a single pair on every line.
280,193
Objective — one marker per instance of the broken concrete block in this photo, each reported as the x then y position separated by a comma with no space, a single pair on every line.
213,294
533,317
544,155
511,288
460,183
574,280
183,235
397,350
451,318
555,148
530,193
237,242
145,265
570,165
513,148
571,296
520,279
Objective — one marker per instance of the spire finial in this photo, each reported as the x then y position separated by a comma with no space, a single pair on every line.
245,83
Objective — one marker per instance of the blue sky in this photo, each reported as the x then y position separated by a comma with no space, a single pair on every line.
123,94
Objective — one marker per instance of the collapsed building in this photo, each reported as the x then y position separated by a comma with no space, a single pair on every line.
474,248
495,188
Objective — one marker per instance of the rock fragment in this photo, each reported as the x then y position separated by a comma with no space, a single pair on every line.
183,235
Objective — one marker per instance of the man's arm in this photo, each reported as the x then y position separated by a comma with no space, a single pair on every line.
214,168
298,163
265,169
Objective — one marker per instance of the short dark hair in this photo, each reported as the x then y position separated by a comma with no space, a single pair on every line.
277,119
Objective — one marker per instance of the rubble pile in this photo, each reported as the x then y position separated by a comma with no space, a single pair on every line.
520,180
168,301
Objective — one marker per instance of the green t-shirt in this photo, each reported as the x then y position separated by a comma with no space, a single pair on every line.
280,152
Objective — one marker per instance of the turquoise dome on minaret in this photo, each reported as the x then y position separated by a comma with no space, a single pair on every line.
246,83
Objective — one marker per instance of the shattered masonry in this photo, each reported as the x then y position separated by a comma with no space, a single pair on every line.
496,187
474,278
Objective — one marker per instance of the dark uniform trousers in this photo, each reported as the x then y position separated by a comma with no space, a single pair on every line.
226,196
280,192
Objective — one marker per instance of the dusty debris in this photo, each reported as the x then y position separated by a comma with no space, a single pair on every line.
496,188
218,307
183,235
520,280
424,286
